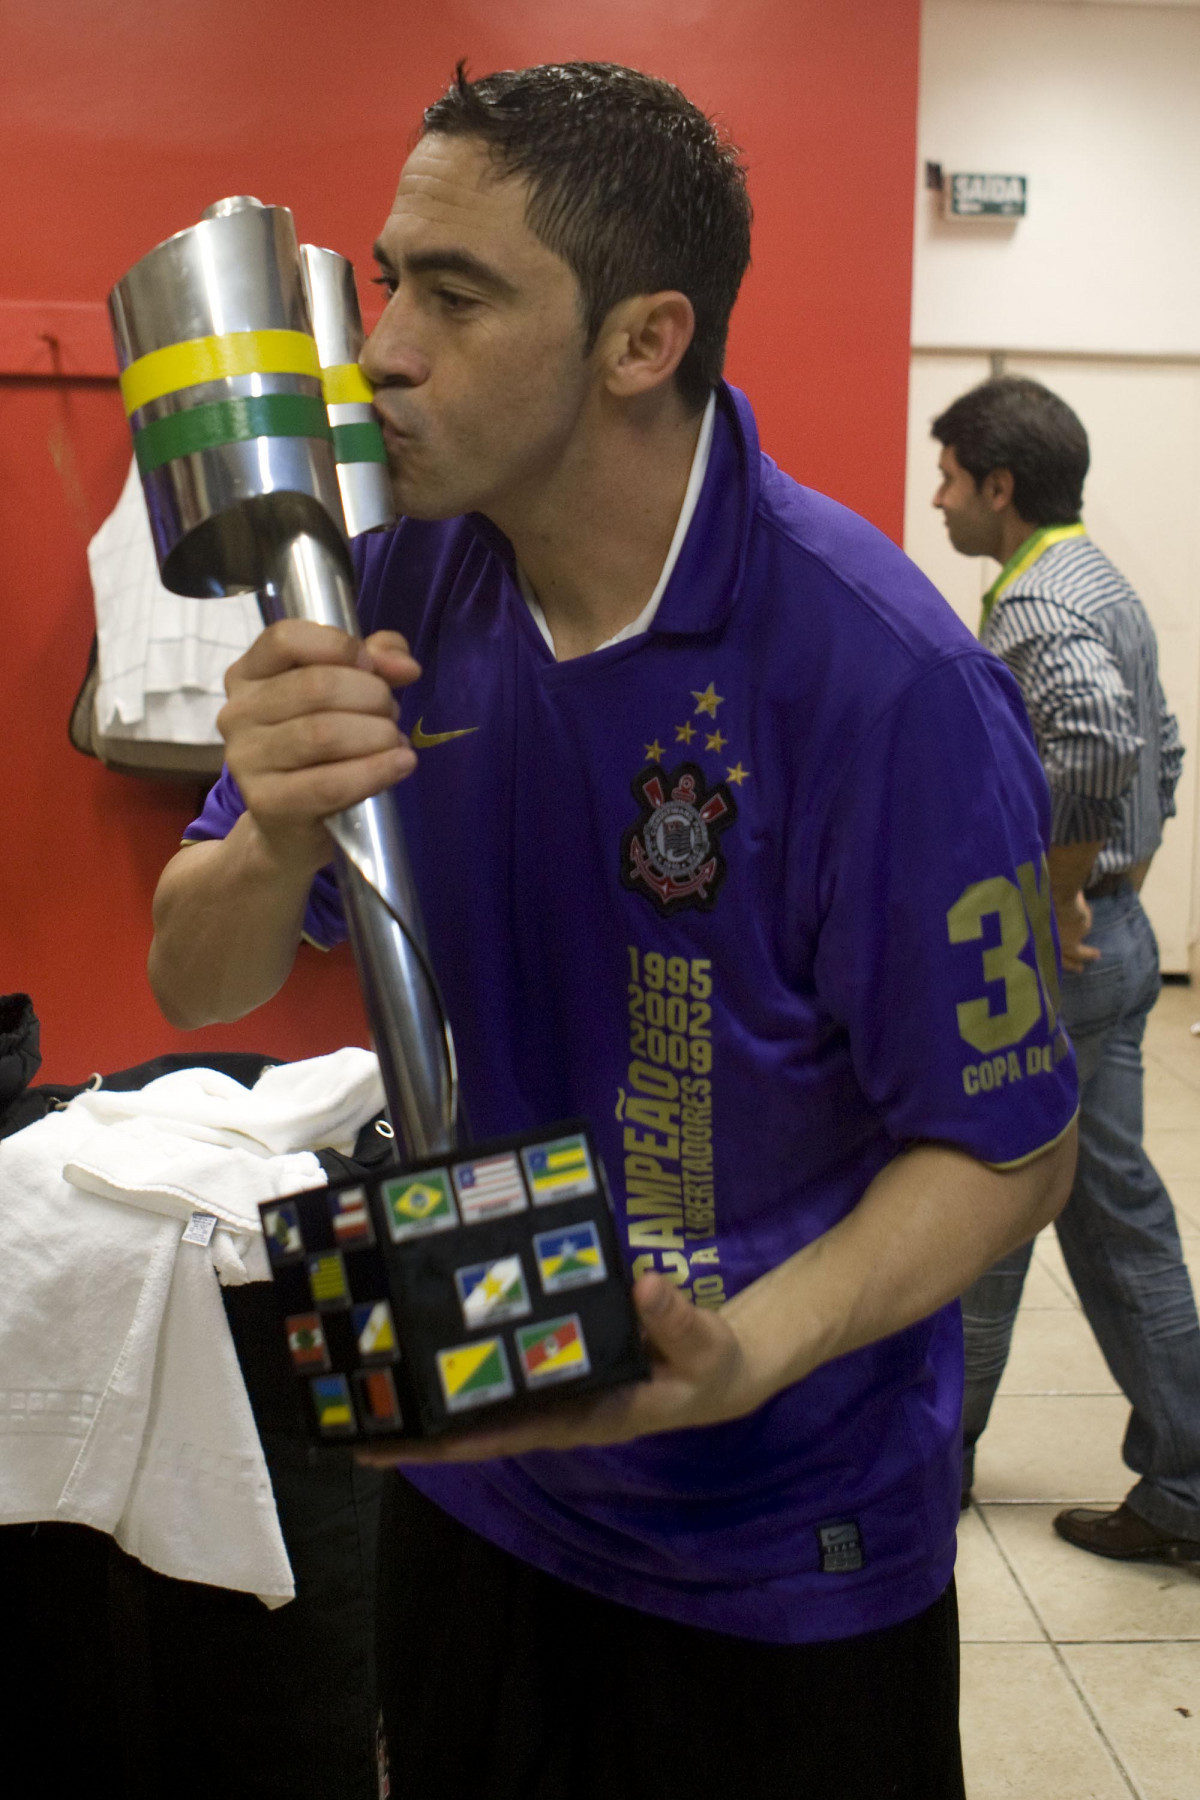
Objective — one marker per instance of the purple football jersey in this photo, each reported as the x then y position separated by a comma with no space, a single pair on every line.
761,892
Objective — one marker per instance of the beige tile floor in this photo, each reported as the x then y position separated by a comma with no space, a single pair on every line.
1081,1676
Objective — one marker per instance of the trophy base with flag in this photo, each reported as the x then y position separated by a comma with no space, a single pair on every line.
474,1285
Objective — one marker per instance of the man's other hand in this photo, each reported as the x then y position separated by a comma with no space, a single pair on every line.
1074,919
310,728
698,1377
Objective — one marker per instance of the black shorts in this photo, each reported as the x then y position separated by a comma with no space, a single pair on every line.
499,1682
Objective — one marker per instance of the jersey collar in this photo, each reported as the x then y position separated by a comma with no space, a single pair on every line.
1023,558
708,573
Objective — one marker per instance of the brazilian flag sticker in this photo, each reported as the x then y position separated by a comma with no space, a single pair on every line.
474,1374
416,1204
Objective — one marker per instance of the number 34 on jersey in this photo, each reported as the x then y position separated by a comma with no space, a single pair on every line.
1006,918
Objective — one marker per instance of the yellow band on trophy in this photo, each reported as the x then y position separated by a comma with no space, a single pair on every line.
345,385
213,358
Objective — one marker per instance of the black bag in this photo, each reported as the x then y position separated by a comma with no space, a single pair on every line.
130,1685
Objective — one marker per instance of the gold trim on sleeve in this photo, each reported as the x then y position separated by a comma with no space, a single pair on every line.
1003,1168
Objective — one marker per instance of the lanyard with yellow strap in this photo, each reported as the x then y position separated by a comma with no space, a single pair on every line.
1023,559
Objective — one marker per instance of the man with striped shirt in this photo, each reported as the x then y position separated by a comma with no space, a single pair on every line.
1081,646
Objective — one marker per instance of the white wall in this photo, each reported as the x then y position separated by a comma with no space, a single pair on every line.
1096,292
1100,107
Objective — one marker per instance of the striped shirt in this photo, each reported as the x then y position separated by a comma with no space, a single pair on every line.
1082,649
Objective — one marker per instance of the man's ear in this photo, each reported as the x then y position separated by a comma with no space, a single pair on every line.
643,340
997,489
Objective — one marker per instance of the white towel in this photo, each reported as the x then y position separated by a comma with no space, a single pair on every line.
123,1404
162,658
144,1164
292,1106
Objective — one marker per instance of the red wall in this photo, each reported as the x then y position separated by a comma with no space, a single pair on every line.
118,124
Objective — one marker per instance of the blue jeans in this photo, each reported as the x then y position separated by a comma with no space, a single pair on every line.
1119,1239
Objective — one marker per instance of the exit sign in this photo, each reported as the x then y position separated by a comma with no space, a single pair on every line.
984,196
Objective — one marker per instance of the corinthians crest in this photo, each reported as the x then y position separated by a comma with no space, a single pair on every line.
672,853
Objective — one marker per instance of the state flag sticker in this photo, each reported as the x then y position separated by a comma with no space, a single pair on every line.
281,1228
569,1258
306,1341
490,1187
327,1279
553,1350
374,1331
474,1374
561,1170
377,1402
351,1218
416,1204
331,1400
491,1291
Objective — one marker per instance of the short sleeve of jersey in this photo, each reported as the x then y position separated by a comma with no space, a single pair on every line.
324,922
936,947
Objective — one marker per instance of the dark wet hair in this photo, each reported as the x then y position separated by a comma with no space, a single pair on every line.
629,183
1017,424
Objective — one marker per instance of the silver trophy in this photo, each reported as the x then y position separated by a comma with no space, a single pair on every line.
259,455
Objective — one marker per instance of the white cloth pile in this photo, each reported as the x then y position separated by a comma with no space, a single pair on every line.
161,658
122,1405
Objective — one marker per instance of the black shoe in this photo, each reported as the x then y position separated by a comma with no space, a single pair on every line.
1123,1534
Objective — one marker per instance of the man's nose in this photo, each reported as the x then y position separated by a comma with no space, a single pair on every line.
391,357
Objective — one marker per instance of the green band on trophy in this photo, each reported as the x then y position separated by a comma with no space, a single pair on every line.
228,422
359,443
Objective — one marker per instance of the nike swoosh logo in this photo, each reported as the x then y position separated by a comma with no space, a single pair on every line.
424,740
